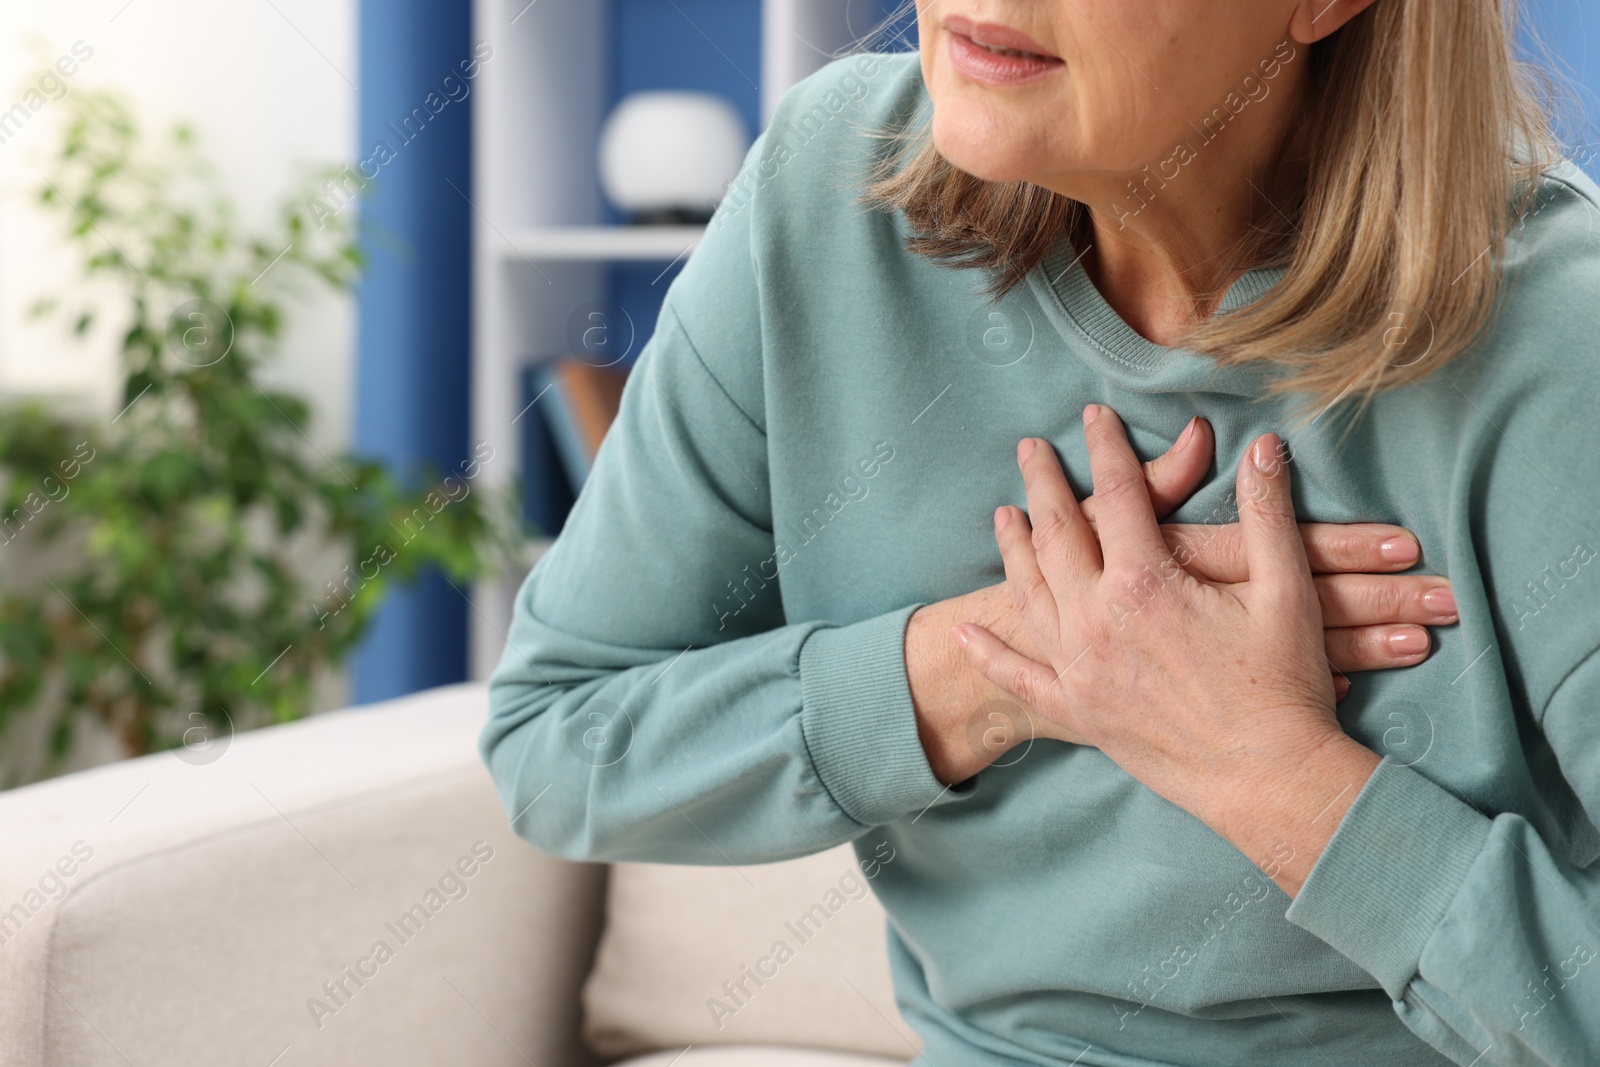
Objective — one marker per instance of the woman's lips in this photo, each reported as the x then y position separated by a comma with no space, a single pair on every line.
1021,59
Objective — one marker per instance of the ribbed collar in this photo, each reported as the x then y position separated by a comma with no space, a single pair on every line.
1095,332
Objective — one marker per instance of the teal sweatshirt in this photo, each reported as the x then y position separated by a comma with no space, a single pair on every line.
708,667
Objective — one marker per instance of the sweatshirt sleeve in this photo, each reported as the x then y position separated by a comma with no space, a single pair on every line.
653,702
1486,938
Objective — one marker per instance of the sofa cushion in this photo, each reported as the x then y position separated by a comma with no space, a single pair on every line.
788,953
224,913
757,1056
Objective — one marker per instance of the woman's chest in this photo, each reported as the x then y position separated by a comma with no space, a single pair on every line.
885,482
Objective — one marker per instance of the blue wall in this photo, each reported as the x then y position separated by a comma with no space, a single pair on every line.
414,349
1570,30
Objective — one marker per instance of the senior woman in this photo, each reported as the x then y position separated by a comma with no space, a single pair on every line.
1066,235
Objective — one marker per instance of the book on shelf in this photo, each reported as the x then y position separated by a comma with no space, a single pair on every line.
578,402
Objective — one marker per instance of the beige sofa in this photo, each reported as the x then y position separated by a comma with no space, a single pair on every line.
346,890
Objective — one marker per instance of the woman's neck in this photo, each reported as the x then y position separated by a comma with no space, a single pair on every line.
1166,241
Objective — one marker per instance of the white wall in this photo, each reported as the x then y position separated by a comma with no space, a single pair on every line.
264,83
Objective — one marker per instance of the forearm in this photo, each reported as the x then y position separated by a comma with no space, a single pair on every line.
1282,815
760,748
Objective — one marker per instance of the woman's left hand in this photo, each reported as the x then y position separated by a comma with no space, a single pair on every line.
1218,699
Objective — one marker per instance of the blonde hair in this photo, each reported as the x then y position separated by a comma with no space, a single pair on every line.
1429,140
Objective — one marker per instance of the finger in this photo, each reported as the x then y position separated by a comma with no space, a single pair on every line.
1030,593
1032,683
1368,547
1274,554
1341,687
1369,599
1128,534
1376,648
1173,476
1215,552
1065,545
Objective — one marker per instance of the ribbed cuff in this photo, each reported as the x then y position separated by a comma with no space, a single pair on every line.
1387,877
859,723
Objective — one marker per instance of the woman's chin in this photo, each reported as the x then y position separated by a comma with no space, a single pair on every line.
983,159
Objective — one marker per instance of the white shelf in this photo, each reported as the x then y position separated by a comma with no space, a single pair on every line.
539,254
602,243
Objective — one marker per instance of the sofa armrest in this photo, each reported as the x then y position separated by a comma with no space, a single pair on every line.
345,889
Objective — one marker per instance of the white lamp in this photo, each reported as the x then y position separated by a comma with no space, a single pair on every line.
666,157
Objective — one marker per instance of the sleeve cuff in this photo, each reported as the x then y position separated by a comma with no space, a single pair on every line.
1389,873
859,723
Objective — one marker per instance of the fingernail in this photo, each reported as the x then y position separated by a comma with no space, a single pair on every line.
1440,601
1186,436
1408,642
1002,515
1399,550
1341,687
1264,454
959,635
1025,448
1091,413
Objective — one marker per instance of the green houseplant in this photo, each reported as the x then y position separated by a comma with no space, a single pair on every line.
194,564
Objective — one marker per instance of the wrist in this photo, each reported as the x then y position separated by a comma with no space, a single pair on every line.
945,694
1283,816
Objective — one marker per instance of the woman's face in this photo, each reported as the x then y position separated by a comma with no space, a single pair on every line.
1120,84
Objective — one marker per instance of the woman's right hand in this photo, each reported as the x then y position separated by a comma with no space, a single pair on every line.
1374,617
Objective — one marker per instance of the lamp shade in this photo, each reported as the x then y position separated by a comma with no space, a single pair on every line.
668,156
